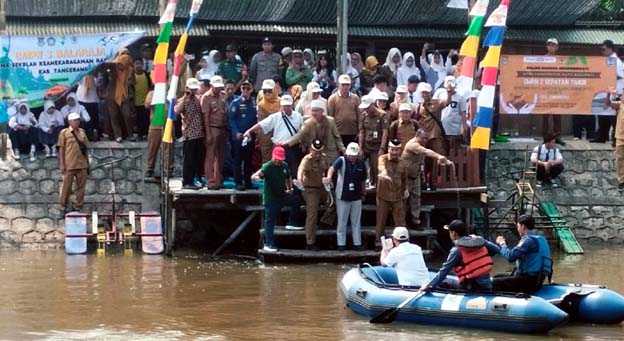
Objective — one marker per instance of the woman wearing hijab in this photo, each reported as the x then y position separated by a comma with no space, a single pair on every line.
313,92
354,74
308,57
73,106
356,62
367,76
434,66
23,130
209,65
295,92
325,75
51,122
390,67
407,69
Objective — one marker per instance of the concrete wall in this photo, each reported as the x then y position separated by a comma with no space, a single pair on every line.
588,196
29,210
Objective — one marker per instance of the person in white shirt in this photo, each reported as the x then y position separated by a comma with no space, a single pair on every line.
454,117
408,69
73,106
406,258
87,97
434,66
23,131
606,121
548,161
51,122
413,96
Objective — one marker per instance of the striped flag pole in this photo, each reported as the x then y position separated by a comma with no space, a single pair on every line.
485,103
160,64
177,65
470,47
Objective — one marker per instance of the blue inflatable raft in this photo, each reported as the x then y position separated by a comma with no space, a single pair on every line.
369,291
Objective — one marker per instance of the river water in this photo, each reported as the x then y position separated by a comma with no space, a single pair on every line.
49,295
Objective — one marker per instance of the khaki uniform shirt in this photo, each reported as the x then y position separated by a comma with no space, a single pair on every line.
67,142
403,131
413,156
314,169
308,133
619,125
344,109
426,121
214,110
372,127
391,190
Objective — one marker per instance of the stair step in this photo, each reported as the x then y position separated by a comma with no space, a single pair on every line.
321,256
366,231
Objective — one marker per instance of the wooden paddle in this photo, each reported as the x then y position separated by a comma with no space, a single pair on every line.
389,315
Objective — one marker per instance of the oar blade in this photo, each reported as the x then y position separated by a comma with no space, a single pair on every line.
387,316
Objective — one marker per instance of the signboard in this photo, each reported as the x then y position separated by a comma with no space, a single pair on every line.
570,85
33,67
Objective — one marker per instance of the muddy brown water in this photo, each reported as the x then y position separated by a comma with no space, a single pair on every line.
47,295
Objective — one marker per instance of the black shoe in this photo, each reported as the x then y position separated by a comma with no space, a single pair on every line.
341,248
191,187
312,247
597,141
149,174
240,187
359,248
621,186
559,141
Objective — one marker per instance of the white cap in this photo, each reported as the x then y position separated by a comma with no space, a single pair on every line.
423,87
73,116
401,89
286,100
216,82
344,79
192,83
405,107
474,93
286,51
367,101
381,96
552,41
353,149
400,233
317,104
314,87
449,80
295,51
268,84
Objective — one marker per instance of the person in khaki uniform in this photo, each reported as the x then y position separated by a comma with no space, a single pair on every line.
312,170
74,162
154,140
214,110
429,114
412,159
373,134
391,190
343,107
403,129
619,135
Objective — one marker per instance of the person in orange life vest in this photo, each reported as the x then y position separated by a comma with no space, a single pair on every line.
470,258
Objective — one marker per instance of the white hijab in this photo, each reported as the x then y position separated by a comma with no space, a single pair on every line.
405,72
389,63
211,67
312,61
438,68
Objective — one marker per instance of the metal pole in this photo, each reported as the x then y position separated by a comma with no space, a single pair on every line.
339,19
345,35
3,17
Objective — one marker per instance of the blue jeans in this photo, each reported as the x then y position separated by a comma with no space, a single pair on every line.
49,139
271,213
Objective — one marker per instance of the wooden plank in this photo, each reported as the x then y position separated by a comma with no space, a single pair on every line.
321,256
236,232
366,231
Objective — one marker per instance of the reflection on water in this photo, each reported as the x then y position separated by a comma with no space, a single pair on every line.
48,295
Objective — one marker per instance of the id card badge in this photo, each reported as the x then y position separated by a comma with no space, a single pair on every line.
351,187
375,134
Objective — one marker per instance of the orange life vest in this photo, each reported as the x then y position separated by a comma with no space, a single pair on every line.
476,262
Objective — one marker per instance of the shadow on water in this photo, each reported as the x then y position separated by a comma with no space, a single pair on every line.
48,295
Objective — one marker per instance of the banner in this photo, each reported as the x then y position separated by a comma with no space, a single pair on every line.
560,85
36,67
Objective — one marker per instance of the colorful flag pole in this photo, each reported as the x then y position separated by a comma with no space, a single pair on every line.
494,40
160,64
470,47
177,65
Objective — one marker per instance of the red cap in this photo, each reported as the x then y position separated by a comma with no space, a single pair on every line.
279,153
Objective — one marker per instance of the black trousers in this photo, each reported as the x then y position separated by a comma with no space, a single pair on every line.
346,139
580,122
242,161
193,156
604,125
554,172
142,119
94,112
516,283
294,155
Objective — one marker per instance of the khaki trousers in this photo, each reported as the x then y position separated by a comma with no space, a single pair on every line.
215,156
78,176
619,160
413,201
119,118
266,146
383,207
313,197
154,140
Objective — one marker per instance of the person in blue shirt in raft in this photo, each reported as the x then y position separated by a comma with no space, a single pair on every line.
532,257
470,258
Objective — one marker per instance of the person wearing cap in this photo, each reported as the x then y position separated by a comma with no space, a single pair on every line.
453,115
321,127
298,72
405,127
189,109
470,258
391,190
214,110
277,186
381,101
242,115
428,114
264,64
400,96
23,130
268,103
343,107
312,170
325,74
350,193
373,134
406,258
74,162
413,158
312,93
231,68
532,257
605,122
